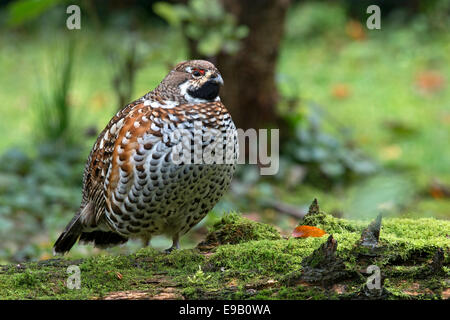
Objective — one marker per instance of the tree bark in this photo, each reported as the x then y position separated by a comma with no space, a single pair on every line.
250,91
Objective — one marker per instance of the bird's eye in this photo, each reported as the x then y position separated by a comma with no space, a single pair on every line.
198,72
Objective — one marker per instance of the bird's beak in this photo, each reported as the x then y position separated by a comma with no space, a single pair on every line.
216,77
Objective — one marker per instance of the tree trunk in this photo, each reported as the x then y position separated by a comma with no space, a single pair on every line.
250,92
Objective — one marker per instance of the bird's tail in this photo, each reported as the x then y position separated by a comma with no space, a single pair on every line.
69,236
76,230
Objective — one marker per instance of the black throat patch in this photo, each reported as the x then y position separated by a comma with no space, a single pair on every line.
209,91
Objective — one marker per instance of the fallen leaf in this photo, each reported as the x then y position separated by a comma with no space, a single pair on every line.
118,274
439,191
446,294
45,256
340,91
307,231
339,288
430,81
355,30
232,283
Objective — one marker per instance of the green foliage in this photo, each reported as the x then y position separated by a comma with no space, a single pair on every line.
387,192
326,158
206,22
199,278
128,56
53,118
315,19
33,192
437,14
22,11
34,189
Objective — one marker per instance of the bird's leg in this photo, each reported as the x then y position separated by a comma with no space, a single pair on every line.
146,241
175,244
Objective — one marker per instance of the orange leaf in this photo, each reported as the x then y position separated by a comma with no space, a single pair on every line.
307,231
355,30
430,81
340,91
436,193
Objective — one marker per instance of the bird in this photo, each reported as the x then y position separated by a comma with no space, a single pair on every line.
136,182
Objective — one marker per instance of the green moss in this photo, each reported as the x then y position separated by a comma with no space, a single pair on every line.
234,229
187,260
265,256
251,263
401,237
332,224
303,293
27,279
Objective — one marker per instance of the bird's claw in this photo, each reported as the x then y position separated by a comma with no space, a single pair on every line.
169,250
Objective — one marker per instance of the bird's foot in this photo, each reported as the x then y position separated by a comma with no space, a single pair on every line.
172,248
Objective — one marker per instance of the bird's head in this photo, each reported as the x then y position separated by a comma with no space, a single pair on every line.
194,81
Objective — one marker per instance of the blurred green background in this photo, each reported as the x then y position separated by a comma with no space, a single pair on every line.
364,115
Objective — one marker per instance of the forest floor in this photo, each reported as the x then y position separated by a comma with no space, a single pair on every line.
244,259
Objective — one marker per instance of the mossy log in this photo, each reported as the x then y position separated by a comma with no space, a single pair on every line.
243,259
